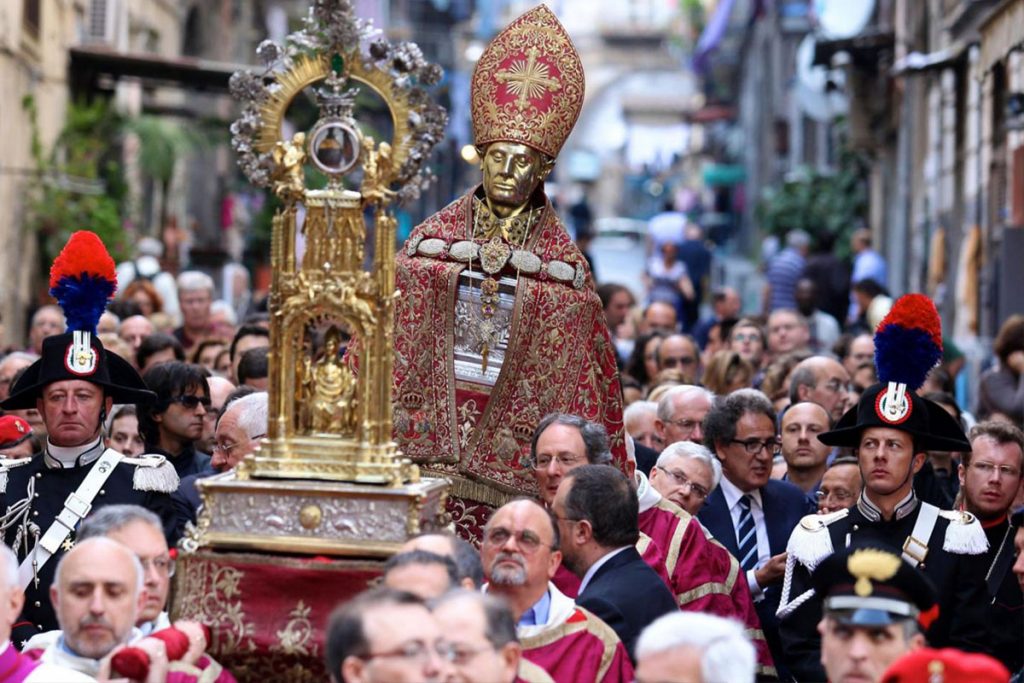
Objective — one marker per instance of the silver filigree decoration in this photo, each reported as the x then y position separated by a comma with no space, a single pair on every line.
332,28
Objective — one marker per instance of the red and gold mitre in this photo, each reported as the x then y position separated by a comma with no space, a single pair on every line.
528,85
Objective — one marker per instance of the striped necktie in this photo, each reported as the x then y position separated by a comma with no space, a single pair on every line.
746,534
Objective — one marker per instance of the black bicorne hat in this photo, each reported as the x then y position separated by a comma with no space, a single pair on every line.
78,355
82,280
931,426
908,344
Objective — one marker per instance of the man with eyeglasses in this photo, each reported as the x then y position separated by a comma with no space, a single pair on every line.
749,513
386,636
679,352
680,414
595,509
140,531
990,477
520,554
693,567
481,633
220,389
173,424
840,485
824,381
686,473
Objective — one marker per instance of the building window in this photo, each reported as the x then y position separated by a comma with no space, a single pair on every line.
30,17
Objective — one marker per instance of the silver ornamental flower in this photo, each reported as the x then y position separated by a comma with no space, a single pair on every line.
269,52
247,87
431,74
380,49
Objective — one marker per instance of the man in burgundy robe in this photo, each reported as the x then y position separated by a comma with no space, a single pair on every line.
520,555
700,572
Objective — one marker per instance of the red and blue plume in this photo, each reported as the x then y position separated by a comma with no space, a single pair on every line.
908,341
83,280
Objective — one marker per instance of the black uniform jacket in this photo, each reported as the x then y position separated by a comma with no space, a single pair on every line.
958,578
51,488
1006,599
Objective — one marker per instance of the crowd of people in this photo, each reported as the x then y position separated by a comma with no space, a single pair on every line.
791,493
104,434
701,562
869,531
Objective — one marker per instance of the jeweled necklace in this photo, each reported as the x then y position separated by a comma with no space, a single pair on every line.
494,254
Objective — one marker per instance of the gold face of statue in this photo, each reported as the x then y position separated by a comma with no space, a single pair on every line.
511,173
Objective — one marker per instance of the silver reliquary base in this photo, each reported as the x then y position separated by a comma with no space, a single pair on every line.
315,517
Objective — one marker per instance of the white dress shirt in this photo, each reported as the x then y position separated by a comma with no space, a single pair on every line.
764,553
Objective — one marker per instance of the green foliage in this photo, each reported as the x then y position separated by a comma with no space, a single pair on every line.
80,182
161,144
828,206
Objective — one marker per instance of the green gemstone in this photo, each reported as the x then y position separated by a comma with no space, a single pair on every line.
337,63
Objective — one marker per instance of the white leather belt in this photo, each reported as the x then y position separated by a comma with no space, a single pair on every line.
915,548
76,507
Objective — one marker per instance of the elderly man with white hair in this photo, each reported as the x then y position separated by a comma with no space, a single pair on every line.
681,412
239,430
686,473
687,647
15,667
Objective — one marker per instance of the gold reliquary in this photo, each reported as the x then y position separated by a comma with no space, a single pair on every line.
328,477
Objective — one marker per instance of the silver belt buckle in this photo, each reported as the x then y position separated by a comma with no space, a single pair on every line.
77,506
915,549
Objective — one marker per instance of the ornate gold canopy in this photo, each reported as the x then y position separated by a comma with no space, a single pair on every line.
332,256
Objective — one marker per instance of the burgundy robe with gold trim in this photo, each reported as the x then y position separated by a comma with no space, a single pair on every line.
575,646
703,575
559,357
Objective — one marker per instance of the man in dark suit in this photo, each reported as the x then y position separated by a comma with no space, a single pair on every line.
596,508
750,513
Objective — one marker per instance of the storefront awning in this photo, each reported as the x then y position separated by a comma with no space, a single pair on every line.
721,175
862,48
89,63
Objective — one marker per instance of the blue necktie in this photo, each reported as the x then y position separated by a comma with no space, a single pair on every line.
746,534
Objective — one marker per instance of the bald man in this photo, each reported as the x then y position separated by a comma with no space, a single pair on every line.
97,594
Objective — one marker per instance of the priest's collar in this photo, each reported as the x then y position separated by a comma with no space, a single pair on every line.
66,457
514,229
873,513
646,494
